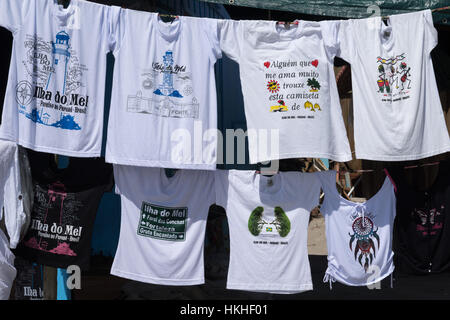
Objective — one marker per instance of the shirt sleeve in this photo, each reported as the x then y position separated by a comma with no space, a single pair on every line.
7,270
212,32
15,216
330,33
117,171
115,32
221,184
345,41
327,183
13,13
308,186
230,38
431,35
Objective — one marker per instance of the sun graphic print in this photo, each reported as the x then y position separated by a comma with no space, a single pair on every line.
273,86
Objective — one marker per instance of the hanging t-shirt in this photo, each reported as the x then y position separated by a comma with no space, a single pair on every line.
164,107
162,229
268,221
55,95
7,270
359,235
422,226
11,199
29,282
290,93
64,210
397,110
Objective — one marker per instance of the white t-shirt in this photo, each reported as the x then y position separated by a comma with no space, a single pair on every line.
268,222
397,111
289,88
7,270
55,95
162,230
164,106
359,235
11,191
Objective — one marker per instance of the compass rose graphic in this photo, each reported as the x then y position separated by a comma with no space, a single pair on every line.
24,93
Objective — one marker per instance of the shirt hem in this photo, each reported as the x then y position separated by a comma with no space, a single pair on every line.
338,158
331,274
404,157
270,289
68,153
169,282
159,164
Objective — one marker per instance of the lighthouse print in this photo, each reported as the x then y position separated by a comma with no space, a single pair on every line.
166,88
61,56
54,209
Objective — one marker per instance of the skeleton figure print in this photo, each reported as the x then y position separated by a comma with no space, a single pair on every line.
394,77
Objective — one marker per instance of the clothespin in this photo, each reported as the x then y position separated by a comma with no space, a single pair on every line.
286,24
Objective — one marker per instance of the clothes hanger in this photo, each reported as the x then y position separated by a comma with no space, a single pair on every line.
170,172
168,17
64,3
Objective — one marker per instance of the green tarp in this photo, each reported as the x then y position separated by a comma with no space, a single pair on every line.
347,8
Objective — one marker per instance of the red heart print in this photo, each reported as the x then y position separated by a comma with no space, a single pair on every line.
267,64
315,63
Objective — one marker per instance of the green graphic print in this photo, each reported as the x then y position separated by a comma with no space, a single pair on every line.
281,222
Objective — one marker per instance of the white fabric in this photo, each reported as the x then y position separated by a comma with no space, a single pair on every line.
369,220
26,190
143,254
274,256
55,95
11,191
7,271
406,123
309,119
164,105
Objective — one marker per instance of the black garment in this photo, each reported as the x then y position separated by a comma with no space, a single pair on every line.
64,210
422,225
29,282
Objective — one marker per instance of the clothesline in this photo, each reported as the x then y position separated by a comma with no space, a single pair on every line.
375,170
440,9
296,22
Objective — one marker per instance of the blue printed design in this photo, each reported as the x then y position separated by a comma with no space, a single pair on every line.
166,88
60,51
66,121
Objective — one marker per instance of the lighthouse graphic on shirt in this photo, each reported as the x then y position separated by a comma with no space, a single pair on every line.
61,56
166,90
51,92
55,223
